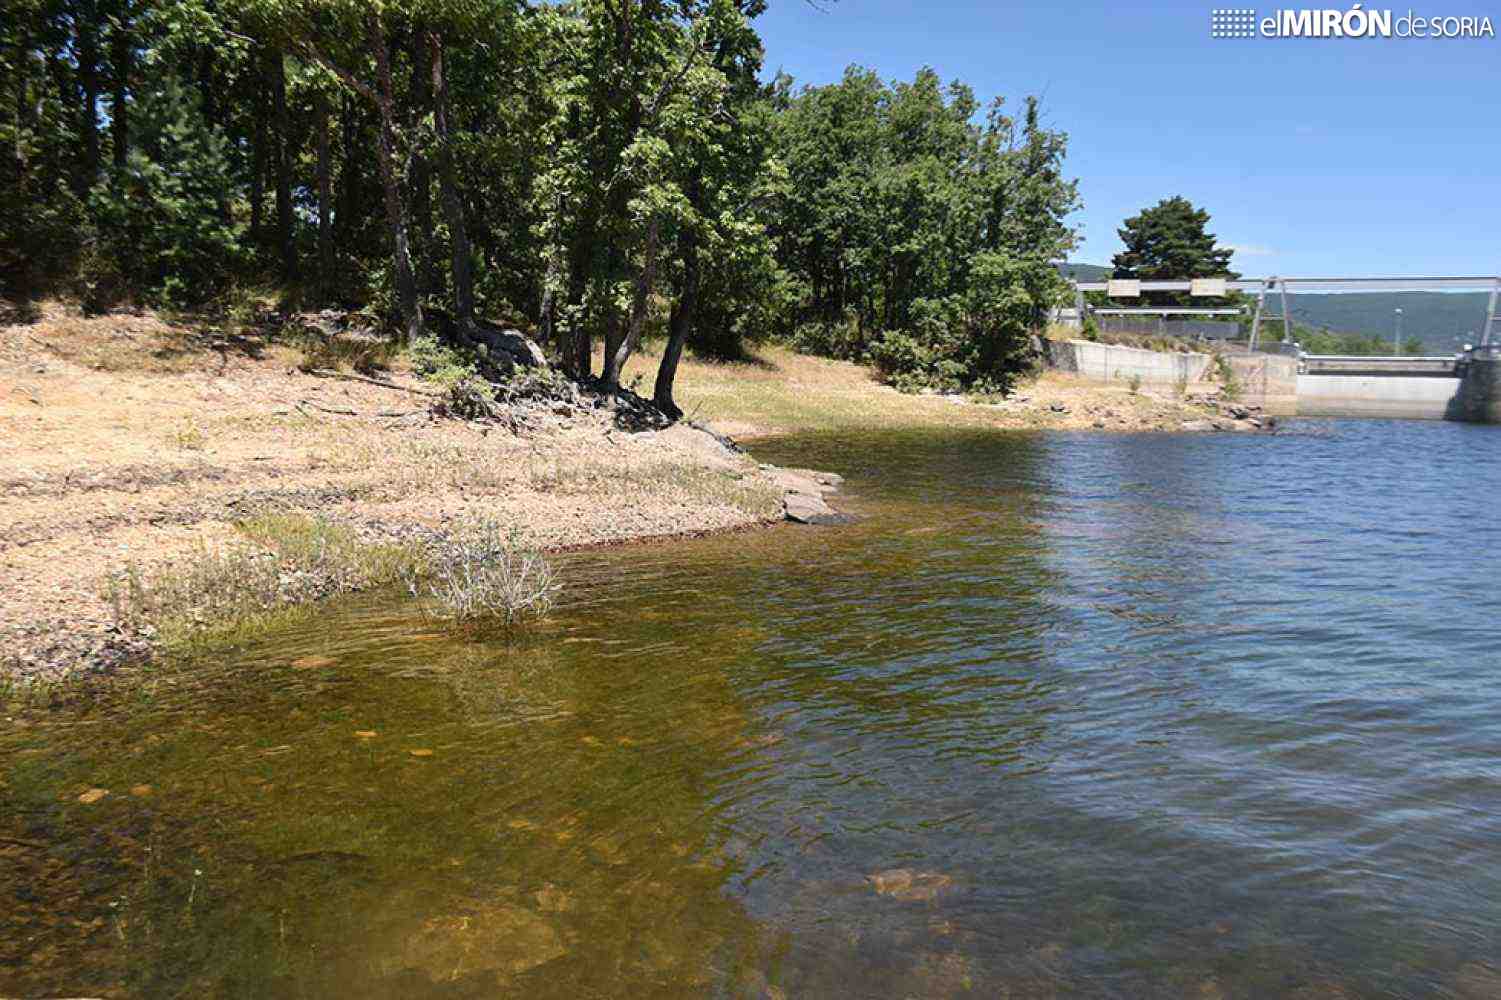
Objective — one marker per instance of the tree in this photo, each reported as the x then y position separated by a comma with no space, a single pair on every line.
1170,241
917,237
592,170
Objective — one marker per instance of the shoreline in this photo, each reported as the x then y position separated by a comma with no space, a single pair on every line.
136,441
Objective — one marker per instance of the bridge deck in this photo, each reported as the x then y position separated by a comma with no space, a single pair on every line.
1406,367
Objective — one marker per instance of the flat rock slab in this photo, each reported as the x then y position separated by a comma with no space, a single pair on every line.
805,508
803,492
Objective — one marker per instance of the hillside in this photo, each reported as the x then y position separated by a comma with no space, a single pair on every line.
1437,317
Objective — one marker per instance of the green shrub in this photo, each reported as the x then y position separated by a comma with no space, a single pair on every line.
1226,372
161,219
842,340
42,228
977,340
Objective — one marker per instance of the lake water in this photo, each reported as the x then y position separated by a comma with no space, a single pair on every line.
1062,715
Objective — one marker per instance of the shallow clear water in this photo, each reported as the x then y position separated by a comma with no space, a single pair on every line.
1072,715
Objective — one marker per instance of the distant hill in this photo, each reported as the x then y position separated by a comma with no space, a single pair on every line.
1085,272
1436,317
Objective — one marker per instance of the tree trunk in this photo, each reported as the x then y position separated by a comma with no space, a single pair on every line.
448,184
575,345
325,201
406,285
678,327
614,337
23,62
121,55
582,340
88,78
276,66
257,163
211,101
645,279
547,318
420,181
349,169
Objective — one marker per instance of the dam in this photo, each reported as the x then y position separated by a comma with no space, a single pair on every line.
1463,387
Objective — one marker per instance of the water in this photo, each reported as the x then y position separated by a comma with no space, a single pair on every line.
1063,715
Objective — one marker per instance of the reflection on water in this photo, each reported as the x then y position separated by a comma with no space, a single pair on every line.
1061,716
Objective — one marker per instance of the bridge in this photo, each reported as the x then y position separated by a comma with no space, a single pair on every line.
1388,367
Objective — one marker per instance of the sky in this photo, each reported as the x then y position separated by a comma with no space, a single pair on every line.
1314,157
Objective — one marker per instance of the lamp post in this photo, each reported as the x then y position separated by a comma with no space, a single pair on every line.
1397,336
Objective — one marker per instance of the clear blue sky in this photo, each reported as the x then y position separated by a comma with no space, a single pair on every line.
1317,156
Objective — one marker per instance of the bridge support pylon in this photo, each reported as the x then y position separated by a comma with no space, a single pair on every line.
1480,391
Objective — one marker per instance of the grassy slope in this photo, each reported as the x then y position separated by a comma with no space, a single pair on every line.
780,391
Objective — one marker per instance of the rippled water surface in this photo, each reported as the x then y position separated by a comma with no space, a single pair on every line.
1093,715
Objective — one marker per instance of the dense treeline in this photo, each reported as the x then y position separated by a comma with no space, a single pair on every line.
917,237
593,170
1318,341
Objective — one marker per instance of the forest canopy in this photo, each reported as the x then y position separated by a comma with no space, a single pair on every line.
593,172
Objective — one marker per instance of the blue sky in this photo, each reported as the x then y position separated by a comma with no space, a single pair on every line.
1315,156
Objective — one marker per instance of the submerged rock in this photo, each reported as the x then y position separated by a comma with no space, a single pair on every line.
1321,991
503,938
1478,981
906,884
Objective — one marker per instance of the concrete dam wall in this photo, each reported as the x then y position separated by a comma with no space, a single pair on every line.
1413,398
1364,387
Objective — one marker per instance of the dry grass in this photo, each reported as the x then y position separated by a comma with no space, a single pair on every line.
779,391
279,560
477,570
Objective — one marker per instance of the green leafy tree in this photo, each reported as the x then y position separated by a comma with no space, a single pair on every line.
915,236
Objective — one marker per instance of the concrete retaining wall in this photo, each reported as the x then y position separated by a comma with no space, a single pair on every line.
1110,363
1378,396
1269,381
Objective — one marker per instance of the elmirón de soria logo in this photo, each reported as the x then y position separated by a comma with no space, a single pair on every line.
1354,22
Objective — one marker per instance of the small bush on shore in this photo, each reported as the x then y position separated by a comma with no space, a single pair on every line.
1226,372
486,573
